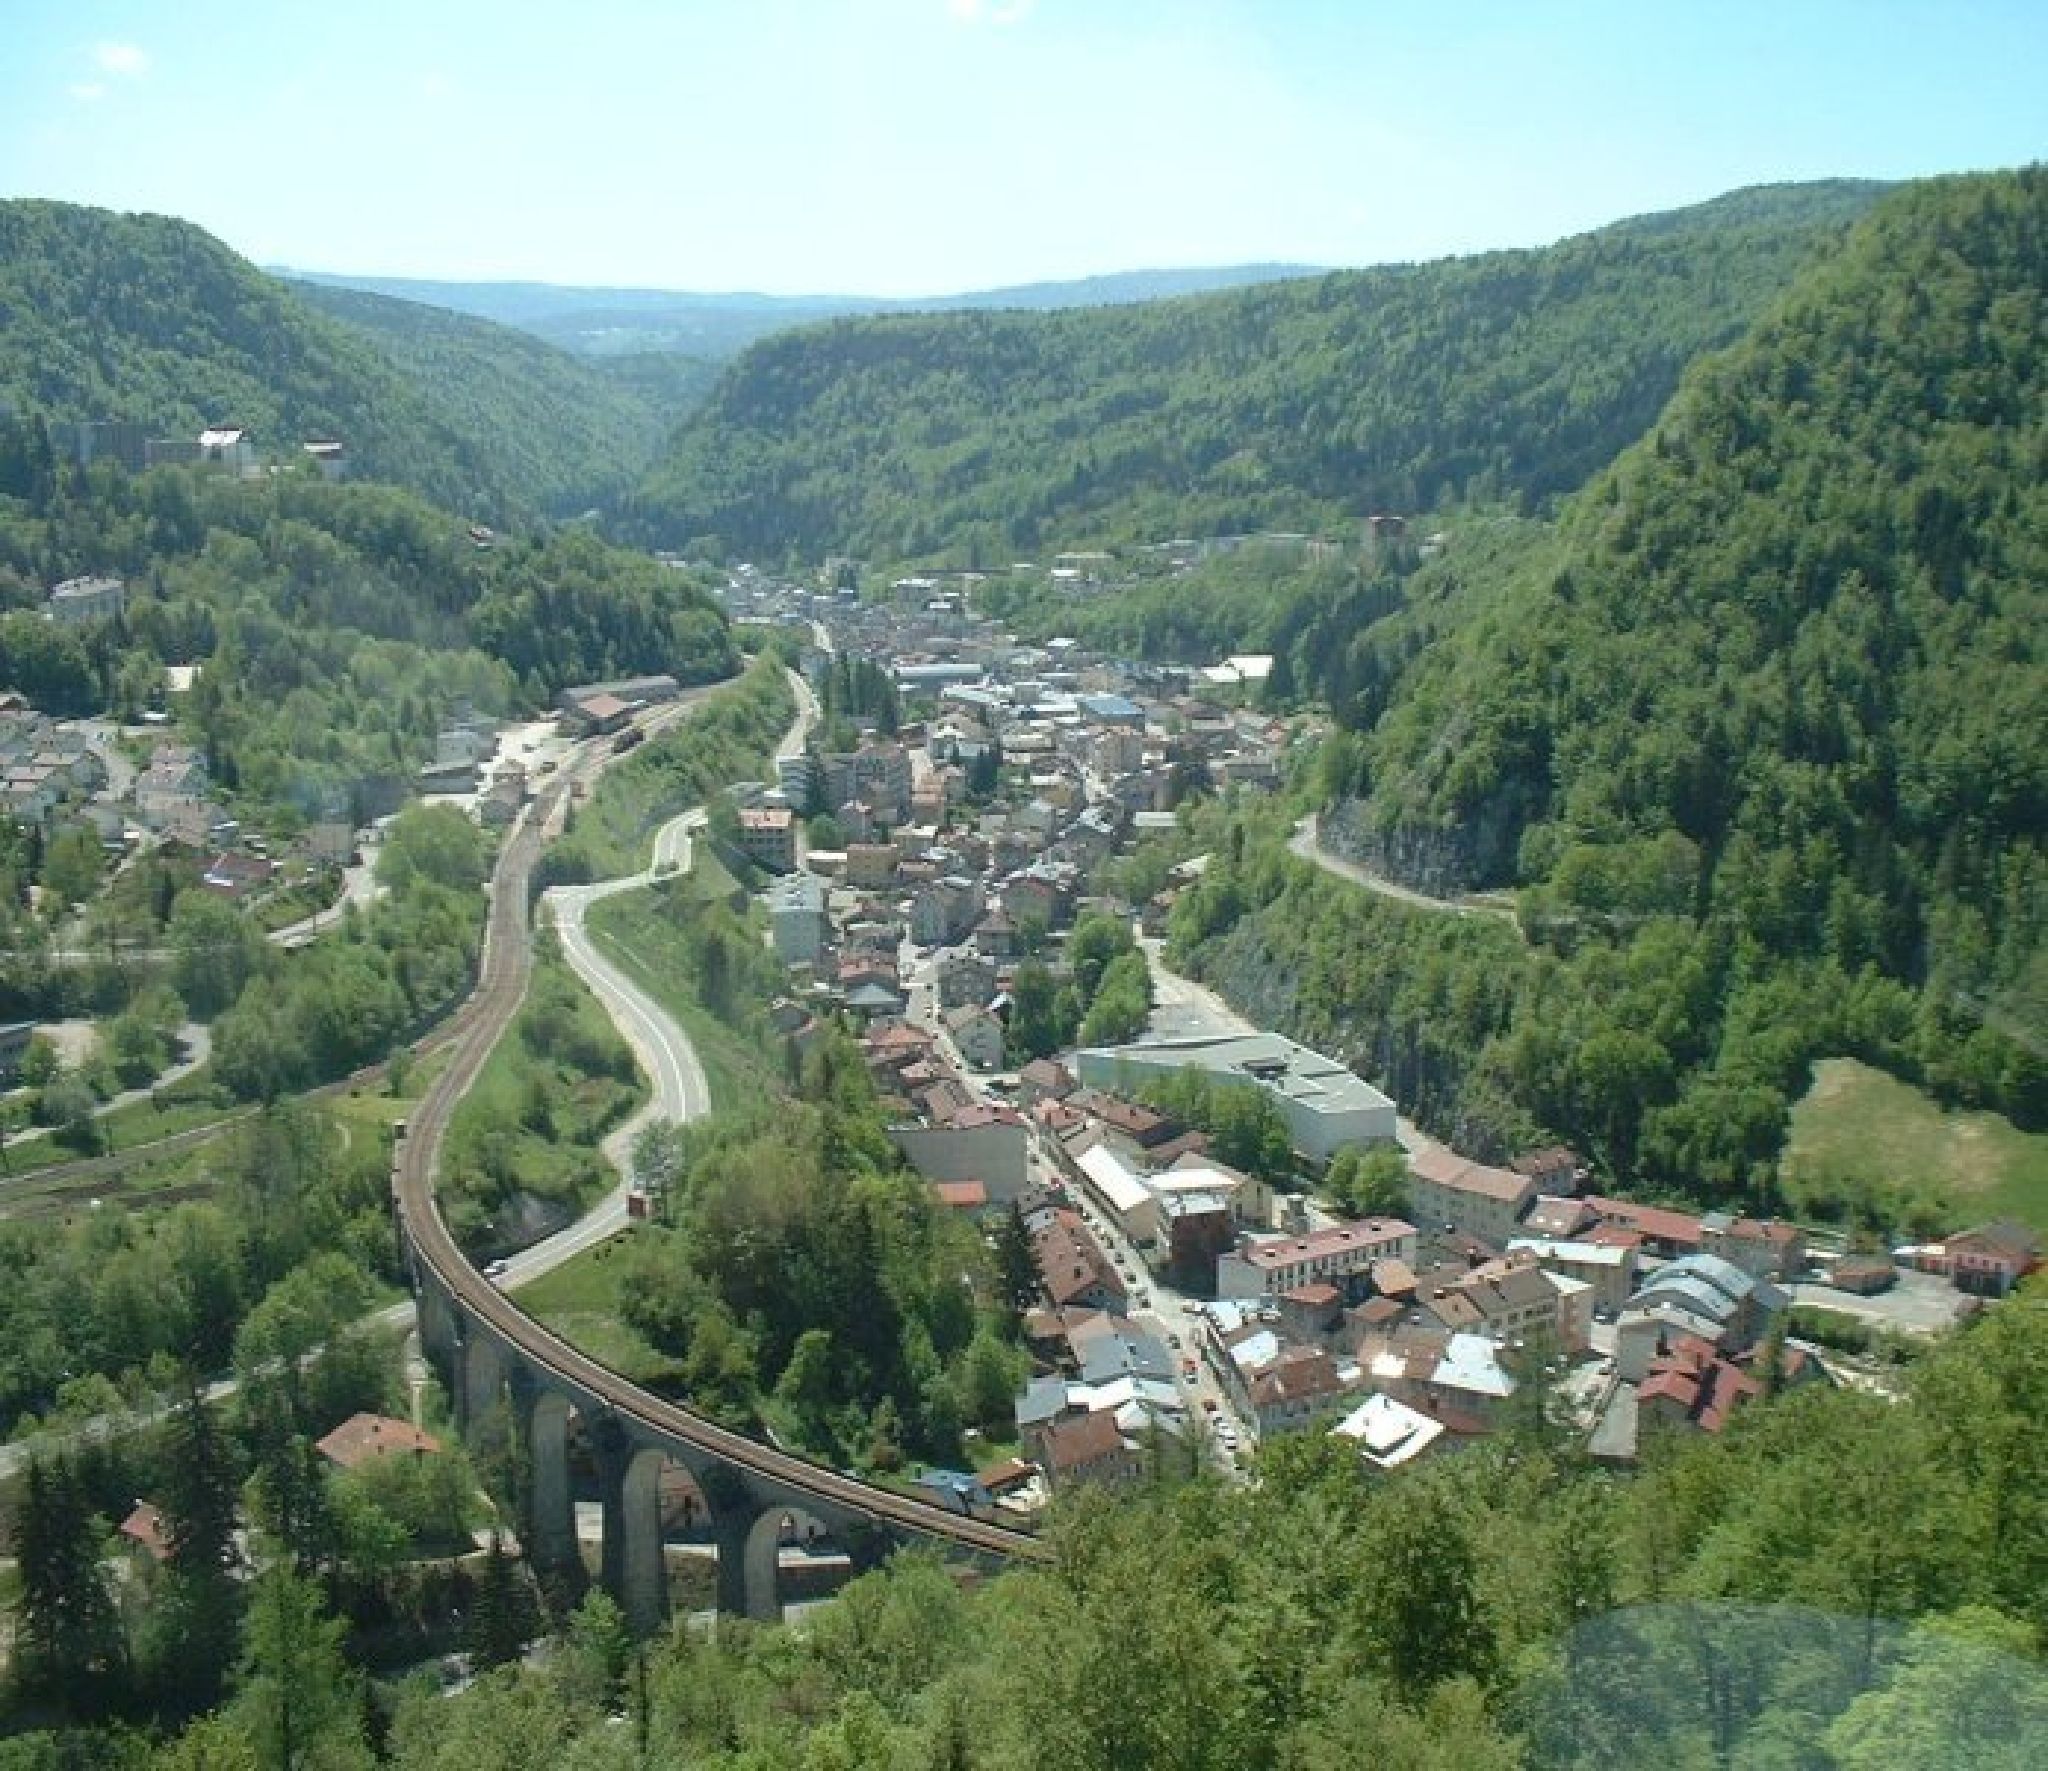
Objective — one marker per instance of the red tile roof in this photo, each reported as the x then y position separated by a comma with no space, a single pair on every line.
364,1436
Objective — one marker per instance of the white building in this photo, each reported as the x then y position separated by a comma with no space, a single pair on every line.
1324,1105
1387,1433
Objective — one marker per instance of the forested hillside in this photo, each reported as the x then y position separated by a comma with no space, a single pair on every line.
145,318
1792,643
335,626
1757,729
1291,405
563,431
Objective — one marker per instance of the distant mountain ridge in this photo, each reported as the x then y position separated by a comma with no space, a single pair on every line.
599,321
985,435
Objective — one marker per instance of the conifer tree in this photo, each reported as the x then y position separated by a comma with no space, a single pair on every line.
68,1652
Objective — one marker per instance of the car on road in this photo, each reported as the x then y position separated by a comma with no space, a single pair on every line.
1173,1341
497,1269
1188,1369
1208,1404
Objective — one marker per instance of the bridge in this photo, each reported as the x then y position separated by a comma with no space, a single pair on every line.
492,1355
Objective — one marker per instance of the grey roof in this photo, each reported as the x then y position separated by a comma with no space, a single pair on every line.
1127,1352
1692,1292
1044,1399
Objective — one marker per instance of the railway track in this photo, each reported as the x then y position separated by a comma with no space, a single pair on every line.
472,1033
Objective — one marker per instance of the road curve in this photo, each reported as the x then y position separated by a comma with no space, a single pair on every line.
501,987
1306,845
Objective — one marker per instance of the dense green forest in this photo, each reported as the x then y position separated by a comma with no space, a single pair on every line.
150,319
558,431
983,437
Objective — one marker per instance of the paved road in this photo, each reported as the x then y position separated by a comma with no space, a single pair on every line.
679,1090
1305,846
358,887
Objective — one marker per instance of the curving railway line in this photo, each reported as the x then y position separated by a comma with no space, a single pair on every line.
501,987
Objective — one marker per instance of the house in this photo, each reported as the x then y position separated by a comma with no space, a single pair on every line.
1293,1389
797,923
1556,1218
1131,1119
1043,894
1555,1169
1389,1434
1990,1260
988,1145
1043,1079
1672,1234
1863,1275
364,1437
1469,1378
592,716
1195,1232
995,936
1088,1448
236,877
1765,1249
871,866
1510,1300
148,1530
229,448
945,911
1115,1186
330,458
1072,1269
1342,1255
175,781
1445,1188
1610,1269
977,1035
79,600
767,837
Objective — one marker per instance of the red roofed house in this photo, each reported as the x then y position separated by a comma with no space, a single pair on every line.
1267,1267
1990,1261
1072,1267
1668,1233
1444,1188
146,1528
1297,1386
1088,1448
365,1436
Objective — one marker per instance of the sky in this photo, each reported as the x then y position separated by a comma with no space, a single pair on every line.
920,147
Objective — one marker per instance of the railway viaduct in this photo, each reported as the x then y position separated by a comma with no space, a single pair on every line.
490,1353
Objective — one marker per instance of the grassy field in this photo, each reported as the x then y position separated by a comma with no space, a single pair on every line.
531,1126
1863,1142
579,1300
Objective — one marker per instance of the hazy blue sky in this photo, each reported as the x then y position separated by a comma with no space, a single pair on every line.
922,146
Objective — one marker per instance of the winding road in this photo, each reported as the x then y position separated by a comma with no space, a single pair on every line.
678,1091
1306,845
